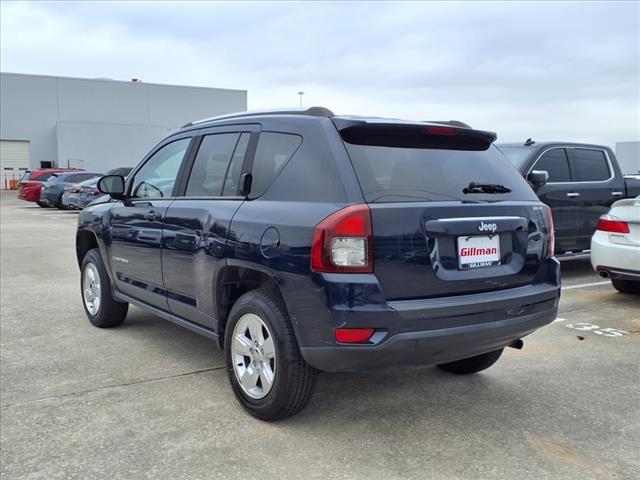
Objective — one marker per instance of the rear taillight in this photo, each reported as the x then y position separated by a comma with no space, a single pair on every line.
75,190
551,234
342,242
94,191
611,224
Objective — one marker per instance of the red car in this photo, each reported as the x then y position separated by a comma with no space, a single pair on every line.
31,183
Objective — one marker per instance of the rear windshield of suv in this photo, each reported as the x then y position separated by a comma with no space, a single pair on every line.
401,174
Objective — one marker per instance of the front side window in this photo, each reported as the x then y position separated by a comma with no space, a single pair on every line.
555,163
158,175
273,151
516,155
590,165
211,165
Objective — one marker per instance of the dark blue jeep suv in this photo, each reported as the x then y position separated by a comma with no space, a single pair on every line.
303,241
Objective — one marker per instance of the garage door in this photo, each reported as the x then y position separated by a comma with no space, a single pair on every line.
15,159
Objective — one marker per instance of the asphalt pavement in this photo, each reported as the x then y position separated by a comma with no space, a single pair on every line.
151,400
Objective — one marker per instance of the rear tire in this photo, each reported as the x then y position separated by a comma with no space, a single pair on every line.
289,380
95,288
626,286
472,364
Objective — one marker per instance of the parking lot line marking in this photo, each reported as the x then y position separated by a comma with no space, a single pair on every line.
584,285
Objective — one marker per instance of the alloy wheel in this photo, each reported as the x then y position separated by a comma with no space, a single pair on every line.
254,356
91,289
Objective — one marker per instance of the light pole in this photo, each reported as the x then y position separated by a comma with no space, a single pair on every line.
301,94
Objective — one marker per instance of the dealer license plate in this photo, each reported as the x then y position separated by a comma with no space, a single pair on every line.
478,252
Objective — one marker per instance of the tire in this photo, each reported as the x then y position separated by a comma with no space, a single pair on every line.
293,380
106,312
472,364
626,286
41,204
60,205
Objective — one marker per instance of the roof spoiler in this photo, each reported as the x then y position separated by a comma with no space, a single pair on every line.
389,133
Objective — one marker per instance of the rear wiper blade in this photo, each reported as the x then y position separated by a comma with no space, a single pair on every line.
474,187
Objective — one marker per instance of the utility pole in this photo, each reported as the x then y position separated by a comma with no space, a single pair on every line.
301,94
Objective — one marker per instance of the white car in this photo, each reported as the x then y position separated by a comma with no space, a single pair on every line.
615,247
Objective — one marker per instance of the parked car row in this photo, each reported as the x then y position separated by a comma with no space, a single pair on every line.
63,188
31,183
578,181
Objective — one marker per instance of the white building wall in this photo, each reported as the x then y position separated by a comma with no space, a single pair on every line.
628,155
104,123
102,146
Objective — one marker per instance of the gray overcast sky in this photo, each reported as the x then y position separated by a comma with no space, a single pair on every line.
547,70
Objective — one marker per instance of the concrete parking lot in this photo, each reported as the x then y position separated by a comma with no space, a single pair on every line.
151,400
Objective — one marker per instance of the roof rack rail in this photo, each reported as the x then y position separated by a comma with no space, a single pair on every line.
453,123
312,111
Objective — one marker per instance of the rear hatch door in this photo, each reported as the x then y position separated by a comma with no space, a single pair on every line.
450,214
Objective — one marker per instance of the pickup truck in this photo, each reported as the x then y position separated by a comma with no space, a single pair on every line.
578,181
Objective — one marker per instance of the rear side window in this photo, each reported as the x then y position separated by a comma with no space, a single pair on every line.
79,177
232,180
590,165
211,165
272,152
400,174
554,162
43,177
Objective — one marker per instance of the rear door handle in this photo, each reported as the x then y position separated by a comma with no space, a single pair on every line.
617,194
152,216
573,194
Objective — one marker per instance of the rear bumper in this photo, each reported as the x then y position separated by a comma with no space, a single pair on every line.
618,273
429,347
29,195
413,332
607,256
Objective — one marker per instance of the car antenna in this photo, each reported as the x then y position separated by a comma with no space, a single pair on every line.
529,142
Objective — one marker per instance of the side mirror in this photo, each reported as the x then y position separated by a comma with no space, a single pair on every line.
538,178
112,185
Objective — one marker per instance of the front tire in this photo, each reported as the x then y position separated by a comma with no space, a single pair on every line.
41,204
626,286
101,309
266,370
472,364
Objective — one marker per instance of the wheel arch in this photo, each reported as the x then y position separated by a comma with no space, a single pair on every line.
85,241
233,282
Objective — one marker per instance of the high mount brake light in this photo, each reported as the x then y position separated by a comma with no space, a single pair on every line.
343,242
448,131
551,234
611,224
